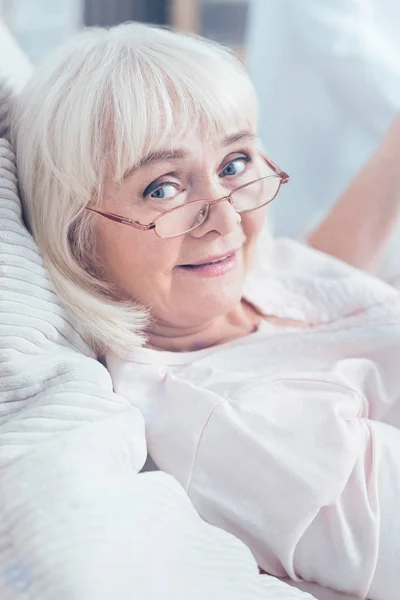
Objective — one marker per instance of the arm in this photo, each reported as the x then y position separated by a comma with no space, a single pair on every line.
327,520
360,223
358,62
295,470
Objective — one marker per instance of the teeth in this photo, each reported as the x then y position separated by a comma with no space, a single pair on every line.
218,260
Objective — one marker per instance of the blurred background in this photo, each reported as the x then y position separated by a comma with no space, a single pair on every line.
327,75
39,25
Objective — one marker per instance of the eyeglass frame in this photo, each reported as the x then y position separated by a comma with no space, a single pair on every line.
284,178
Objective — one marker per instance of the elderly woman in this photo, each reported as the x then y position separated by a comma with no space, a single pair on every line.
267,373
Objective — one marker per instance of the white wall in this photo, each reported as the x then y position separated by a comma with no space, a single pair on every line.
40,25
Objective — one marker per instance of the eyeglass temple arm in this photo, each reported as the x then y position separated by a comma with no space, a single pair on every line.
124,220
284,176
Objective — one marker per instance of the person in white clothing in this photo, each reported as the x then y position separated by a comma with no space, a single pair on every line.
267,374
77,518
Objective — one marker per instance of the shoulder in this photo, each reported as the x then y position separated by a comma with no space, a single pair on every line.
293,257
304,283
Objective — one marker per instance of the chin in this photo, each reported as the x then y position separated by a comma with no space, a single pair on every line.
213,304
203,297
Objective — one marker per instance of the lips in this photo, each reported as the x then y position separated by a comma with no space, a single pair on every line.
209,261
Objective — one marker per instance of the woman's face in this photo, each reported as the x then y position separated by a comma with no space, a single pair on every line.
164,274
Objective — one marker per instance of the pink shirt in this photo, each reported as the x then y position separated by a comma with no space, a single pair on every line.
289,438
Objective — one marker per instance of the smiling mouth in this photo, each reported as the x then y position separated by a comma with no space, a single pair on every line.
211,262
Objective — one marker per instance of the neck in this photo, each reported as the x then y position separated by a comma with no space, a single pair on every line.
235,324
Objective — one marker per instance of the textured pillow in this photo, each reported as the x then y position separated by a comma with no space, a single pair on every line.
15,70
77,521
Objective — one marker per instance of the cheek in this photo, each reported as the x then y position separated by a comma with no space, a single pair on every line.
252,224
137,263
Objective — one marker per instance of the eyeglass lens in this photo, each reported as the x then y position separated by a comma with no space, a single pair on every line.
187,217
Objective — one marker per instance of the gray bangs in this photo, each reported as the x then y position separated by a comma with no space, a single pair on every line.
155,101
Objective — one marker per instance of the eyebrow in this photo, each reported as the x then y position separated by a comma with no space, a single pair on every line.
179,153
153,157
237,137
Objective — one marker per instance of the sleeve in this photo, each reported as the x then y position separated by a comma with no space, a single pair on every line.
355,56
77,520
295,470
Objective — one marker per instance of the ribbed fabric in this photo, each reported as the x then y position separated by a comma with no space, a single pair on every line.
77,521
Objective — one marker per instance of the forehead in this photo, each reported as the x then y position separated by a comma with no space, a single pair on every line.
192,145
219,133
175,125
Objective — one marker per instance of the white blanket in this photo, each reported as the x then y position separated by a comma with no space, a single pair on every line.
77,521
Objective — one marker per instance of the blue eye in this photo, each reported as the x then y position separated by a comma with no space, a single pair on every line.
235,167
162,191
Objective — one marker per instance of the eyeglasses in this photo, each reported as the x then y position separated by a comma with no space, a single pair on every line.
188,216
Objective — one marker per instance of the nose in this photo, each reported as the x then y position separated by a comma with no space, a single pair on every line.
222,219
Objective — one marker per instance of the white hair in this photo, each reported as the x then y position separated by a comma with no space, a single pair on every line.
91,112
